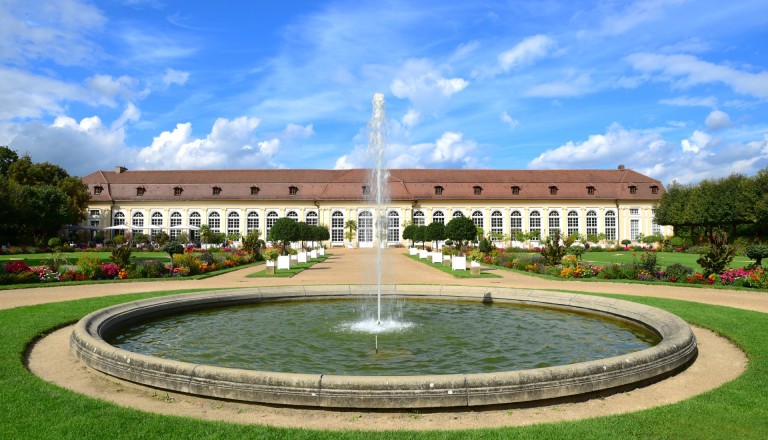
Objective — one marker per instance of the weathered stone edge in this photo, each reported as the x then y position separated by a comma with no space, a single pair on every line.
677,348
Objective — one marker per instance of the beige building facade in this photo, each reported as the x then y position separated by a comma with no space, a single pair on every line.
618,203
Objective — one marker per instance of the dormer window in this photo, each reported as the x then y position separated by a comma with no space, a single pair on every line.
216,190
177,191
140,191
515,190
632,189
255,190
553,190
292,190
654,189
478,190
591,190
438,190
366,189
97,190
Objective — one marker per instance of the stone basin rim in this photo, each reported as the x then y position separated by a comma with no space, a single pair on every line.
675,351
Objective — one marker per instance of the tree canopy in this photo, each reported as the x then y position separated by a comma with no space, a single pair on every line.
435,232
39,198
461,229
284,230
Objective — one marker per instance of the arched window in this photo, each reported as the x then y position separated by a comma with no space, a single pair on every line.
293,215
365,227
534,222
337,227
477,218
438,216
393,227
573,222
610,226
554,221
195,220
418,218
156,220
252,222
138,220
233,223
311,218
458,214
591,222
497,225
214,221
118,219
271,219
515,223
175,221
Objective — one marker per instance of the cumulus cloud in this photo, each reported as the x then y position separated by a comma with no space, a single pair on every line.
688,71
107,88
411,118
26,95
296,131
696,143
526,52
228,139
173,76
509,120
718,120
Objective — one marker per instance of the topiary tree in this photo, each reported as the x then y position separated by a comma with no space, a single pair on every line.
419,235
172,248
161,238
320,233
718,256
461,230
306,233
284,230
408,232
757,252
435,232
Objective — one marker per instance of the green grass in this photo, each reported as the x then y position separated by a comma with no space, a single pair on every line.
663,258
34,409
455,273
72,257
287,273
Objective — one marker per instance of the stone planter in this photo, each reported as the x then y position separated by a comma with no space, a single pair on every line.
447,260
301,257
313,254
474,267
437,257
423,254
271,267
413,251
321,251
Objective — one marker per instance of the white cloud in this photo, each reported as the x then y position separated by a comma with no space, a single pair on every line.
107,88
342,163
526,52
718,120
685,101
296,131
687,71
634,15
173,76
509,120
411,118
228,145
696,143
424,86
25,95
130,114
574,85
452,149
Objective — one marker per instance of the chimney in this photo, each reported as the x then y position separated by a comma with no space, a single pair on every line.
119,169
621,167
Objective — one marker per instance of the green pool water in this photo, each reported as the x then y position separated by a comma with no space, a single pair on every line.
434,337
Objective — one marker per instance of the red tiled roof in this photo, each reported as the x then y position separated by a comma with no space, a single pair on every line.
404,184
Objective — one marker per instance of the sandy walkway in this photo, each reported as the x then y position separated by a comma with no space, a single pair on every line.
718,362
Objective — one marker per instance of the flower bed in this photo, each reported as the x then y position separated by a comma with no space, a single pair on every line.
88,267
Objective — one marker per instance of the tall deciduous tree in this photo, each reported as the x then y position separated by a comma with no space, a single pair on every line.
461,229
284,230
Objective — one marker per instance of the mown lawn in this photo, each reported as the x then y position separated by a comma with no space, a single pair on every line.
663,258
34,260
34,409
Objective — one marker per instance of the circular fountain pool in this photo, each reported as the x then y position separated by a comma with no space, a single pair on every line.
475,366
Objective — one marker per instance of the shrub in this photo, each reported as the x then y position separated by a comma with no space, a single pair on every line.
15,267
109,270
153,268
576,250
54,242
648,262
718,256
90,266
206,257
553,252
189,261
121,256
676,272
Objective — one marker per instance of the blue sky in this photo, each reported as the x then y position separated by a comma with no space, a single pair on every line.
674,89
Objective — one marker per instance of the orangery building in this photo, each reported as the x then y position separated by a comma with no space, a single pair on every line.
618,203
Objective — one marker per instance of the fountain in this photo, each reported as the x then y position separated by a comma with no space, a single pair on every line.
339,387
